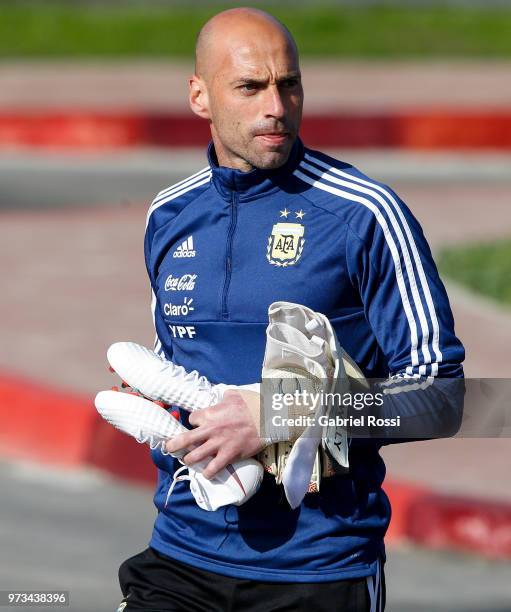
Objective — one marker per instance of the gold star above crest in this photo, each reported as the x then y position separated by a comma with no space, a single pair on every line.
284,213
300,214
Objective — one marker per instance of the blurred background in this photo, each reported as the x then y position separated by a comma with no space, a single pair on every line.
94,122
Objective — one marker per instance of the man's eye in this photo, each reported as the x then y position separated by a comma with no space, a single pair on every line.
290,83
248,87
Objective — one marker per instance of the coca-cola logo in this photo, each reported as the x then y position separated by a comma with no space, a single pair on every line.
180,283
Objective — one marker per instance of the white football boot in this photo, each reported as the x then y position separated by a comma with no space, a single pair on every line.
146,421
149,423
161,380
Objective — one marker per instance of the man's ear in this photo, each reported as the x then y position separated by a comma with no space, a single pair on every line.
198,97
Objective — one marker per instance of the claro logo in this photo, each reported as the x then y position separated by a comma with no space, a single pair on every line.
180,283
184,309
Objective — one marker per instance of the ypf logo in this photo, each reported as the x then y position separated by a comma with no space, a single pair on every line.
180,283
182,331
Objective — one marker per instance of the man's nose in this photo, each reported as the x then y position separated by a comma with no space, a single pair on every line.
274,106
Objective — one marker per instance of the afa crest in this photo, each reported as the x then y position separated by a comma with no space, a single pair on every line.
285,244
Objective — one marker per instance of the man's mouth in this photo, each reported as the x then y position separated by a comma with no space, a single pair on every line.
274,138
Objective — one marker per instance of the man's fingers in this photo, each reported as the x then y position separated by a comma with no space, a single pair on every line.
187,440
208,449
197,417
217,463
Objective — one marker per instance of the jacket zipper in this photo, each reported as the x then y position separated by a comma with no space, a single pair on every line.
228,256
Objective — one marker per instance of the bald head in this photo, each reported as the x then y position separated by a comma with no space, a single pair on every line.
236,30
247,84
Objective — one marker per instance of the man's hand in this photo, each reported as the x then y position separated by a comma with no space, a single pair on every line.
225,432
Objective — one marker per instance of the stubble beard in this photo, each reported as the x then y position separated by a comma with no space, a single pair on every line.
249,150
265,160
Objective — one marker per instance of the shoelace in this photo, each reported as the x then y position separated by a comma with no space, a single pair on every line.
153,444
160,444
193,376
177,478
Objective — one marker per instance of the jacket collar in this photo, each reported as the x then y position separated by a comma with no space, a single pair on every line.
255,183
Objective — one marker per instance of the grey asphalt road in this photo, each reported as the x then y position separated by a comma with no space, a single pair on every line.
36,180
70,530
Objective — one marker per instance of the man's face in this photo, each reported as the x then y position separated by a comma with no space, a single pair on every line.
255,99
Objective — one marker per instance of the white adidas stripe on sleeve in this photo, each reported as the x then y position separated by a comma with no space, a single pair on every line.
357,184
200,180
375,202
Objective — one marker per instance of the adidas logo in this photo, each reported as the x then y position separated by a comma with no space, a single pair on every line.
185,249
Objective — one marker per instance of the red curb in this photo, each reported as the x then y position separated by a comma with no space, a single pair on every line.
42,424
402,498
444,522
49,426
120,455
420,129
462,524
71,130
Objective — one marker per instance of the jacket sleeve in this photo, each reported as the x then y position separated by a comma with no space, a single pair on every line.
406,305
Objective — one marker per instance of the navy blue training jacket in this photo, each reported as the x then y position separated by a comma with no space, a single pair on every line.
222,245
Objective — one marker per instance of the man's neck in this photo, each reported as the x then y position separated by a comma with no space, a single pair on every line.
228,159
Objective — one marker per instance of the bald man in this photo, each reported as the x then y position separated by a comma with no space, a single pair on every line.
247,84
267,220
